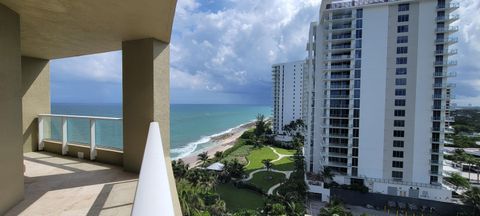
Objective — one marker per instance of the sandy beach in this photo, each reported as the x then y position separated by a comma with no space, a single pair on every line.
222,143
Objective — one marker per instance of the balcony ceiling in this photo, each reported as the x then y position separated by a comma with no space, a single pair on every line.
53,29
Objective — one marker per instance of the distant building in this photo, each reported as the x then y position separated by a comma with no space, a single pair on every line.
287,93
376,97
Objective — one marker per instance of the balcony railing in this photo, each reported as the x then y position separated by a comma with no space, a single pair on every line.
391,181
446,29
444,74
446,52
450,40
451,18
451,6
444,85
92,131
445,63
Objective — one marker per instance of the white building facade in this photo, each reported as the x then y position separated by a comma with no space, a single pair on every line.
376,97
287,93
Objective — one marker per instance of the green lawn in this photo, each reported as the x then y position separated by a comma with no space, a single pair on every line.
266,180
239,198
241,153
284,164
284,151
256,156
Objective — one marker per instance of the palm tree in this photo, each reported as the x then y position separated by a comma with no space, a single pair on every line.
334,208
260,125
459,181
235,169
190,198
218,208
472,197
218,155
179,168
203,157
327,175
267,163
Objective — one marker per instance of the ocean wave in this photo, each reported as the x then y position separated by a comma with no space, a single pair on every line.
193,147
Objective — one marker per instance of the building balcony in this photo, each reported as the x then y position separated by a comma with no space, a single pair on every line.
340,28
446,52
448,19
444,85
338,164
338,58
342,17
435,172
443,118
444,74
449,29
338,67
447,41
445,63
435,162
339,155
435,151
448,7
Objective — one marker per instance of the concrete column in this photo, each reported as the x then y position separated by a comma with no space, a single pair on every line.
11,157
35,98
146,98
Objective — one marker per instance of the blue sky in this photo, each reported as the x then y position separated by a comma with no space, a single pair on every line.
221,52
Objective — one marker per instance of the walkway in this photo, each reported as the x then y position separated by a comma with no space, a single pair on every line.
286,173
58,185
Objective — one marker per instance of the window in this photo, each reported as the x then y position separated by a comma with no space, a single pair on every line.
399,113
358,63
358,44
403,7
402,60
398,143
397,174
400,92
403,18
356,103
359,23
357,84
402,39
402,28
398,154
358,53
356,93
397,164
398,133
401,81
402,50
401,71
400,102
358,34
357,74
399,123
359,13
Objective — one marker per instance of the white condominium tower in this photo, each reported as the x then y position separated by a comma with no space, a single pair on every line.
287,93
376,97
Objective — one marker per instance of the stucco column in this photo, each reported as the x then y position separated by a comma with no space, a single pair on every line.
35,98
146,98
11,157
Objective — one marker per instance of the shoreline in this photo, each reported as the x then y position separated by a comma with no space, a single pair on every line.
221,142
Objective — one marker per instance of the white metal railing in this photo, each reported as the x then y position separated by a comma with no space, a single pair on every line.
64,129
154,195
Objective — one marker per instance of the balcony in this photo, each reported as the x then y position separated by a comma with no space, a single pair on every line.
341,17
450,29
448,19
444,74
347,27
445,63
446,52
444,85
448,7
447,41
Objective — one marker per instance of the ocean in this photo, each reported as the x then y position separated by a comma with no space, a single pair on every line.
191,125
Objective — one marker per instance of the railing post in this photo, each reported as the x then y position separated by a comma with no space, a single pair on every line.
93,151
64,136
40,133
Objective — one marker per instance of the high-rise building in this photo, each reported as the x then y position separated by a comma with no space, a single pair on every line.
287,93
376,97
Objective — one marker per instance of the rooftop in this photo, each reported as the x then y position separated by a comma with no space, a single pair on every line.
58,185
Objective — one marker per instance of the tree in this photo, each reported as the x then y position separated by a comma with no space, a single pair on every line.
327,175
260,125
246,212
472,197
179,168
334,208
278,209
267,163
459,181
203,157
218,155
218,208
190,198
234,168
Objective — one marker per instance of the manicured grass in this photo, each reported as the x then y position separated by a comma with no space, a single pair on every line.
284,151
265,180
239,198
284,164
256,156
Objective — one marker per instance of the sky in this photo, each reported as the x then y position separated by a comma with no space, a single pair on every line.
222,52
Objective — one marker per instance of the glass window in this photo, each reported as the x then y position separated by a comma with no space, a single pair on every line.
356,103
398,133
397,164
397,174
359,23
399,113
400,102
358,44
403,7
358,53
403,18
357,74
402,60
358,34
402,50
402,39
400,92
358,63
398,143
398,154
357,84
359,13
401,71
401,81
356,94
399,123
402,28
